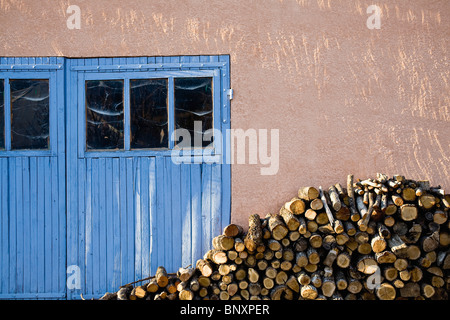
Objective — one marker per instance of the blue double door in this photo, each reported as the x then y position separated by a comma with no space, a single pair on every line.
108,200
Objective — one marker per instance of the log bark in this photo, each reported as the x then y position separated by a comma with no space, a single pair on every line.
161,277
109,296
184,274
383,231
277,227
122,294
366,214
331,257
334,198
254,288
290,220
302,229
361,208
354,214
342,193
337,225
316,279
413,234
276,292
254,235
398,247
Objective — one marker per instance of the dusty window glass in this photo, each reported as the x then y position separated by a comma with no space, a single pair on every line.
194,108
104,114
148,113
2,114
29,114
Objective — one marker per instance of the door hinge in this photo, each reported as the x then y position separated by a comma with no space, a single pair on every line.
230,94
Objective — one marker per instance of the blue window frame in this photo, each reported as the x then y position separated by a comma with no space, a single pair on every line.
28,113
2,114
123,117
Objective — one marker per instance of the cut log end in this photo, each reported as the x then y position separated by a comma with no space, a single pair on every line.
308,193
386,292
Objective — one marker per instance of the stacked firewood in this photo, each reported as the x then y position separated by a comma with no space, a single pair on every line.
383,238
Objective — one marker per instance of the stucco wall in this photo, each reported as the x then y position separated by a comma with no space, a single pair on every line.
344,98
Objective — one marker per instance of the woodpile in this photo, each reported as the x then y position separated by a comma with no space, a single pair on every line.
383,238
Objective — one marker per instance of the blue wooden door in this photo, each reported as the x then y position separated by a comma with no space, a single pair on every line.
32,179
131,205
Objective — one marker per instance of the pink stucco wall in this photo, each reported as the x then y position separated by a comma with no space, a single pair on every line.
344,98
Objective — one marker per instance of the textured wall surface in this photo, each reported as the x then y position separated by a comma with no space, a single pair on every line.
344,98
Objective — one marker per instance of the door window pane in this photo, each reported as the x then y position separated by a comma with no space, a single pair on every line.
194,108
104,114
148,112
29,114
2,114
